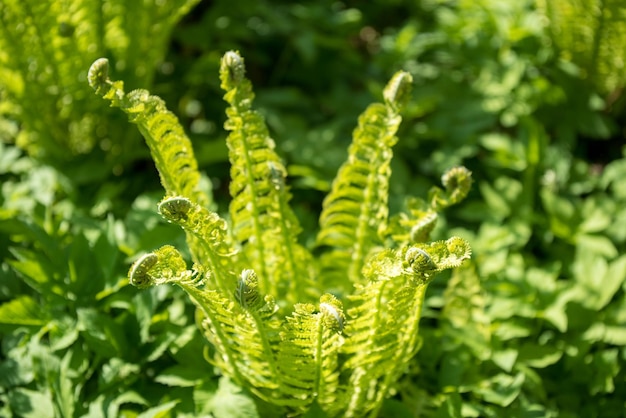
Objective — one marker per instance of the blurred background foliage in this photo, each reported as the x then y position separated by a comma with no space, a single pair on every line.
526,94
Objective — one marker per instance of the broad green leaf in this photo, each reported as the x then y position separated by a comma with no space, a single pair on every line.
84,272
23,310
115,372
605,367
230,402
505,359
539,356
28,403
610,334
501,389
598,281
103,335
182,376
108,406
598,244
161,411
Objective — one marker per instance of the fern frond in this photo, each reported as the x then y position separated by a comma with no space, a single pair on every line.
245,335
412,225
315,354
165,265
170,148
384,317
592,34
45,47
262,220
419,218
356,207
309,354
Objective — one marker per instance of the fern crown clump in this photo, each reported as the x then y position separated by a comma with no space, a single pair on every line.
295,329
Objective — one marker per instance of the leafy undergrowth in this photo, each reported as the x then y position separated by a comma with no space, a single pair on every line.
533,327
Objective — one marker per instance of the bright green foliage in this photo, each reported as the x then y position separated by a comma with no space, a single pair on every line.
257,289
534,326
592,34
45,47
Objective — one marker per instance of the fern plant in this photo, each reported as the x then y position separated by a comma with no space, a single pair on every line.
45,48
336,330
592,34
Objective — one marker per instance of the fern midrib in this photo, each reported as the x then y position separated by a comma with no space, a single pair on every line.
296,292
194,293
267,347
212,259
256,218
401,355
370,206
318,355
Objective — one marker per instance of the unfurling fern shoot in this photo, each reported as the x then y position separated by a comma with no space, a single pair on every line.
337,330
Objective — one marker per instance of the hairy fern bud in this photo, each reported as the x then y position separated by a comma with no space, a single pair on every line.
175,209
398,90
247,292
139,275
98,75
233,65
420,261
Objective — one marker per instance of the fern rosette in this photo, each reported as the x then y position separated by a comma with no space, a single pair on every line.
257,289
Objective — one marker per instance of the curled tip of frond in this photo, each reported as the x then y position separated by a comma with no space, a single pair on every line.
423,227
419,260
98,74
247,292
175,209
139,274
331,309
459,250
233,66
398,90
164,265
457,181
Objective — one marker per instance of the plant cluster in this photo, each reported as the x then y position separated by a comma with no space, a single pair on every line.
527,95
254,284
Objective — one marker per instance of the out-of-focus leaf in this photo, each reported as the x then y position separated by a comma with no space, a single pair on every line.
540,356
23,310
104,335
161,411
31,404
502,389
230,402
182,376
